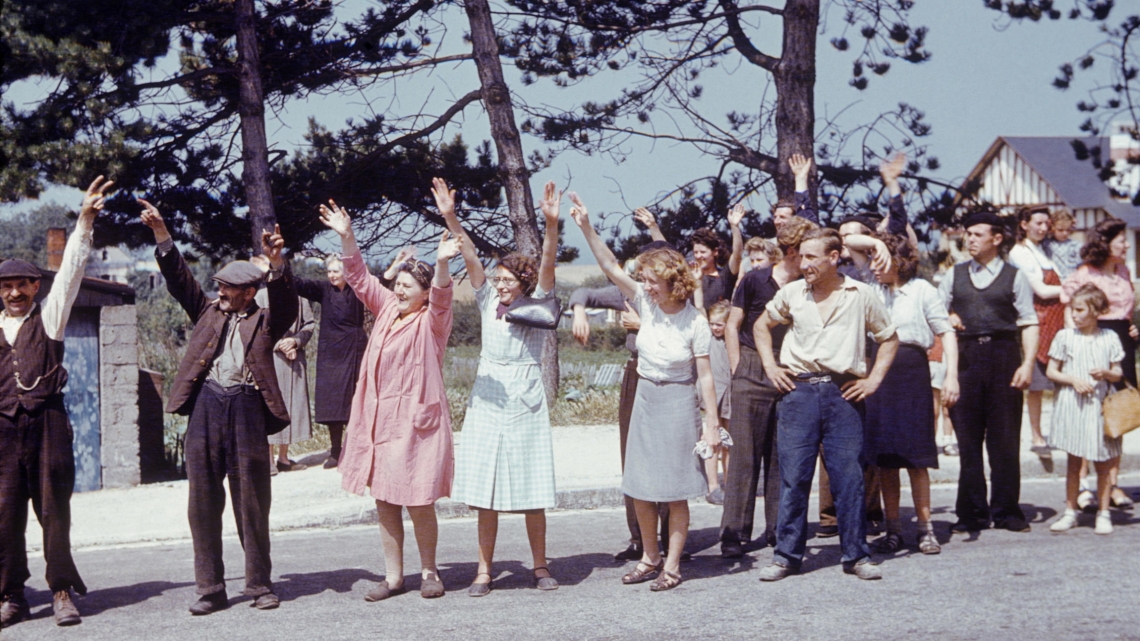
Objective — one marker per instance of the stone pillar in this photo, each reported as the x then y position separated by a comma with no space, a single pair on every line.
119,401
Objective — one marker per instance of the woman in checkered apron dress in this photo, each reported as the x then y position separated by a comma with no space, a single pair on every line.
505,456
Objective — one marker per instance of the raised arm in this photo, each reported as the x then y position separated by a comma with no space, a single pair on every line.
367,287
65,289
448,248
445,202
868,246
283,302
394,269
550,205
734,217
180,281
606,259
645,217
801,170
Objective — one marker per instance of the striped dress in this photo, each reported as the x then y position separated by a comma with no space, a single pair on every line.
1078,425
504,459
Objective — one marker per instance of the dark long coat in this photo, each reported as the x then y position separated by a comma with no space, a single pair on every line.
340,349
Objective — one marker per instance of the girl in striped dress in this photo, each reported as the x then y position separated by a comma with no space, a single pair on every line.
1083,361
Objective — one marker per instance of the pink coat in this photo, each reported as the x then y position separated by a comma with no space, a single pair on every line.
399,431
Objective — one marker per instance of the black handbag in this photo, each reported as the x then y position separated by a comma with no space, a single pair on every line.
540,313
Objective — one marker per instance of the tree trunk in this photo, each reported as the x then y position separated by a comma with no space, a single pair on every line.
795,94
512,162
251,109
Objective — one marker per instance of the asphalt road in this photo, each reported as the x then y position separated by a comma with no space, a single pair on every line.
998,585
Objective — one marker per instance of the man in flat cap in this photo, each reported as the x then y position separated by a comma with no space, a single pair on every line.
227,385
36,460
997,344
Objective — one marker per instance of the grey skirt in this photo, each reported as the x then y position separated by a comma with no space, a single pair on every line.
660,465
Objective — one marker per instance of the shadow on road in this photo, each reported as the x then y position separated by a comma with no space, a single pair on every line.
99,601
294,586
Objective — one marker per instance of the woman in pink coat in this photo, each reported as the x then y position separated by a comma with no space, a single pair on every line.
399,429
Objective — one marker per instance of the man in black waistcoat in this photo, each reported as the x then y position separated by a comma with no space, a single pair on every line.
227,384
36,460
997,343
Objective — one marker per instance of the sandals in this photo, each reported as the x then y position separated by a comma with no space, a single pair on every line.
544,582
927,544
480,589
643,572
889,543
665,581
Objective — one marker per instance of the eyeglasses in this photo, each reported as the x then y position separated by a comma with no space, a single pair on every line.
504,281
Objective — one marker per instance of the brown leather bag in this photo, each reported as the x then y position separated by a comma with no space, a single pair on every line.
1121,412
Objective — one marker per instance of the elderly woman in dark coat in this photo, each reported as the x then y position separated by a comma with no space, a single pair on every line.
341,346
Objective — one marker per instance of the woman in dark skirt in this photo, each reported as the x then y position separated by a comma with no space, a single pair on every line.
340,348
899,424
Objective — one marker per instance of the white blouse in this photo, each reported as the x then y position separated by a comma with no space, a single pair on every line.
917,312
1032,260
667,344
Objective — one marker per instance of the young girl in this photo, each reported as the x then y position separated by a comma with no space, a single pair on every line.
1082,362
722,381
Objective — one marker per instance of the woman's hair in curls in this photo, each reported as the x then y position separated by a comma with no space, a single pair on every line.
902,255
422,272
1095,251
669,265
524,268
1026,213
1092,296
793,232
708,238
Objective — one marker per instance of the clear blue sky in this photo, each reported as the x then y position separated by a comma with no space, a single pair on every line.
981,82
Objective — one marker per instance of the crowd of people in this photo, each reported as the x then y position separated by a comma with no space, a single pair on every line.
825,345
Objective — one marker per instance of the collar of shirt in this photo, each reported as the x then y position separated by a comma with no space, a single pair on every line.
17,319
993,267
847,283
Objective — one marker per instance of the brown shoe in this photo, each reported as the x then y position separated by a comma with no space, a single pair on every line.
65,611
431,588
13,610
643,572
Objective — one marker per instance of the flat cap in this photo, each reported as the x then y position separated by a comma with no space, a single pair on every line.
16,268
985,218
240,273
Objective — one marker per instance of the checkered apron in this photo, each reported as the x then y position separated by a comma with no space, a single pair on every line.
504,459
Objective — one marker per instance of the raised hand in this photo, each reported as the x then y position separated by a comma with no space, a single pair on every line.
551,203
735,215
272,245
336,218
444,197
151,218
800,166
645,217
578,212
93,199
448,247
891,169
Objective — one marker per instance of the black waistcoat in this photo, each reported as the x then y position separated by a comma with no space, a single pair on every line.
985,311
31,371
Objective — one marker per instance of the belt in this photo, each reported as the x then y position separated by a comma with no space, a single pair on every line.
815,378
233,390
983,339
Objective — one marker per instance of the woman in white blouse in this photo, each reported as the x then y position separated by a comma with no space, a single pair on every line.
660,463
899,423
1028,256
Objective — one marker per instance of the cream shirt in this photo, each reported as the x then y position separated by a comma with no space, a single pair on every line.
64,289
836,344
668,344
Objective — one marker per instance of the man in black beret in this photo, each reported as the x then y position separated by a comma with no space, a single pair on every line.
36,461
227,385
997,344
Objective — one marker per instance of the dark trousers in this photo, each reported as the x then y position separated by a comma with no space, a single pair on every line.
629,381
36,464
336,435
226,437
988,412
811,415
753,431
872,495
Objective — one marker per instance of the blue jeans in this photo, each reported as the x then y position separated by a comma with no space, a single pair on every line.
809,415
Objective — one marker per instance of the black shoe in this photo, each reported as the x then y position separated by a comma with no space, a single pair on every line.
631,553
210,603
827,531
966,527
330,463
731,550
770,539
1013,524
267,601
13,610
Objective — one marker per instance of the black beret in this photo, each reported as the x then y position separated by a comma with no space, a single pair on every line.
657,244
869,221
985,218
16,268
240,273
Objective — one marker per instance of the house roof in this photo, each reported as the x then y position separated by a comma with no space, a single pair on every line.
1075,181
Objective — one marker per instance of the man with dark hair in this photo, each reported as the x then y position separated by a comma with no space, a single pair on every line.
994,301
823,369
36,460
227,384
